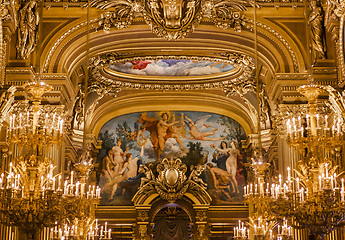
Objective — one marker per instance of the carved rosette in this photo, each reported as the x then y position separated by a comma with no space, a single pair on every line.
143,215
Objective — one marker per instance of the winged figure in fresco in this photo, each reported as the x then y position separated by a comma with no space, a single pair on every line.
160,131
199,123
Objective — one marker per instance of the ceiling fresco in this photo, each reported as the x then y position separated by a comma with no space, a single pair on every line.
172,67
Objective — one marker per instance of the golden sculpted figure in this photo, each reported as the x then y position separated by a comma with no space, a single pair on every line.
27,29
317,35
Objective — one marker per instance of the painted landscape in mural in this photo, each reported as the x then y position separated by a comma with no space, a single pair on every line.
135,139
172,67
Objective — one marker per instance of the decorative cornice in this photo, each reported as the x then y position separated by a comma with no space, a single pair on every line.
282,40
61,38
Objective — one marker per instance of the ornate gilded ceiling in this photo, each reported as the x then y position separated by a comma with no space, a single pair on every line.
214,31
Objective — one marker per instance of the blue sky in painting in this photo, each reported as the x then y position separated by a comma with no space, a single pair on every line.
171,145
172,67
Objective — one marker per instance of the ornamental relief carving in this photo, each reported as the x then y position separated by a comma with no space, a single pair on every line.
170,180
173,19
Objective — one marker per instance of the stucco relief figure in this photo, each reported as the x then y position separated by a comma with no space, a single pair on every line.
329,13
317,35
196,134
231,163
27,29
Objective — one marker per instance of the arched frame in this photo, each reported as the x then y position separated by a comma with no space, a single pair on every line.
193,101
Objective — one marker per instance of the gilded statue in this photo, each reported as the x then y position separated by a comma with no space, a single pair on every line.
317,34
27,29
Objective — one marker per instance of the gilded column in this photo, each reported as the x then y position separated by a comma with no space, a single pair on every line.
142,223
201,223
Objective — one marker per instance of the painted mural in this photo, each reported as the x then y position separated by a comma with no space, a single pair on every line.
172,67
135,139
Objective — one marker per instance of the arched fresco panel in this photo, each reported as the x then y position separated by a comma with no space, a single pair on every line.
195,137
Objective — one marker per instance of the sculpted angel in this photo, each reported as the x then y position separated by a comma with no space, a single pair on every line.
196,134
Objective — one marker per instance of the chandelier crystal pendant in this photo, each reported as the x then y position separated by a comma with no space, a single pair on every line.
314,198
30,193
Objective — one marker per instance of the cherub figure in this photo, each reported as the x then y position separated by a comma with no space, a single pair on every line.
194,129
196,172
148,174
131,135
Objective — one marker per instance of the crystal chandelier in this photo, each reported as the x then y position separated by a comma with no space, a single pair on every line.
314,198
80,201
262,222
30,195
72,232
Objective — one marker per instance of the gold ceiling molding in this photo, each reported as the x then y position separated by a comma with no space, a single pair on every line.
240,84
284,51
341,52
173,19
58,43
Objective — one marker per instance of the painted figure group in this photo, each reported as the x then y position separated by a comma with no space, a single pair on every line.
161,130
119,166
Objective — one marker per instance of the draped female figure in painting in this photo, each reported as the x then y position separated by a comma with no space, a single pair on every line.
231,162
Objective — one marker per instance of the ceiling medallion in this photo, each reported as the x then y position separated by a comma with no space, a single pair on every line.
173,19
